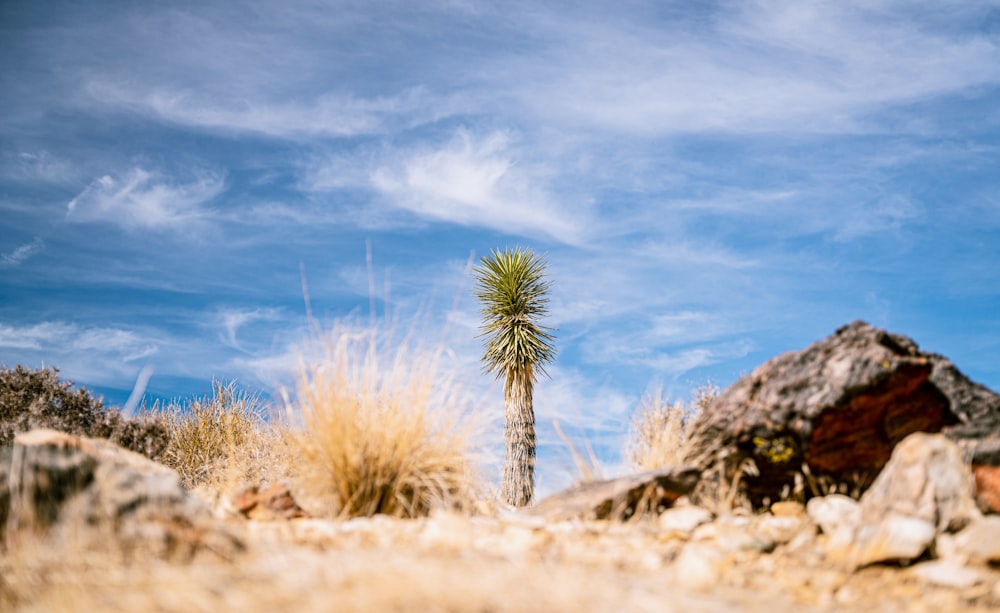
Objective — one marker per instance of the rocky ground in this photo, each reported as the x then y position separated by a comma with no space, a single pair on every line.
452,562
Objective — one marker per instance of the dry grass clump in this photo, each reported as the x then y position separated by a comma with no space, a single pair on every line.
662,433
667,434
221,440
380,432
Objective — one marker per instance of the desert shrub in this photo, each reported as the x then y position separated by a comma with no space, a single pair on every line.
39,399
667,434
375,440
217,439
661,432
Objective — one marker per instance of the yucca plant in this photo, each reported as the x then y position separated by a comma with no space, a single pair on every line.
512,290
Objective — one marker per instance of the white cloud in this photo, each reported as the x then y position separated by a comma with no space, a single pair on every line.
664,358
38,166
231,320
94,355
478,180
888,214
19,255
66,337
35,336
329,114
748,67
143,200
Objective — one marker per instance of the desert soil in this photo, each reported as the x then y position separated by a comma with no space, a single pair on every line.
458,563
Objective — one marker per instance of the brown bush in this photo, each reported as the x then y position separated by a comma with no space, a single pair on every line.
39,399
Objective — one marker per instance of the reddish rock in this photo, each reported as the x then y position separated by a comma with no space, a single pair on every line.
839,407
273,502
987,487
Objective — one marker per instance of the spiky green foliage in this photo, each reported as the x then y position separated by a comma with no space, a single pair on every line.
513,293
512,289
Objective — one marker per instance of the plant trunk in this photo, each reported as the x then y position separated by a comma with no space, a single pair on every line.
518,487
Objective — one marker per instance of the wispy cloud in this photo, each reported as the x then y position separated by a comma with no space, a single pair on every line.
750,67
141,199
659,357
478,180
330,114
69,337
38,166
35,336
19,255
231,320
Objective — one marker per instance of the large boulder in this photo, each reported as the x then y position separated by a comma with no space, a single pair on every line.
82,488
832,413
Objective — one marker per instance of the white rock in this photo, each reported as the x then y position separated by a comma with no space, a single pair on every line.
836,515
734,533
684,519
979,542
948,573
782,530
926,478
896,537
698,566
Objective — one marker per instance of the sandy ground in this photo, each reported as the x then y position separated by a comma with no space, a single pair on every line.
458,563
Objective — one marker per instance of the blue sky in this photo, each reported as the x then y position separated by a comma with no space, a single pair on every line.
713,183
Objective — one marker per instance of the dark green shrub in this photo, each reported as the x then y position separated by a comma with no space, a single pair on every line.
38,399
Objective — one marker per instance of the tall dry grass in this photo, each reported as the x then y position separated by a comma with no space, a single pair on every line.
381,428
662,433
665,434
222,440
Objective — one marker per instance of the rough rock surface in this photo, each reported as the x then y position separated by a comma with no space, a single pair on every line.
978,543
987,487
74,486
837,516
619,498
924,491
271,503
839,407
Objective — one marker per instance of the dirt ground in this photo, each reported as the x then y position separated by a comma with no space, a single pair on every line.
459,563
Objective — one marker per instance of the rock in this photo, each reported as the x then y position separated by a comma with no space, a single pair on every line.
784,529
987,487
788,508
948,573
923,491
684,520
837,516
734,534
66,484
621,498
893,538
927,479
979,542
839,407
699,566
272,503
